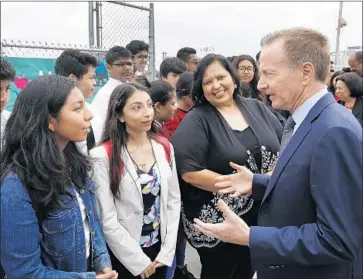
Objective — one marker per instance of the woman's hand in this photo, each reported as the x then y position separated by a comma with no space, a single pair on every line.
150,270
107,273
157,264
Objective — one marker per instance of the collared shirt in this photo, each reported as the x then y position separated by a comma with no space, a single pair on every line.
302,111
4,118
100,106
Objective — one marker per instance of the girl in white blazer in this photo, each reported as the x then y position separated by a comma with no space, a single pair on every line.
139,200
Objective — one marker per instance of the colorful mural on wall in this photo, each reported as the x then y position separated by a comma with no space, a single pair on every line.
29,68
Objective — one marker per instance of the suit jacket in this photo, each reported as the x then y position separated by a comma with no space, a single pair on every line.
311,212
122,218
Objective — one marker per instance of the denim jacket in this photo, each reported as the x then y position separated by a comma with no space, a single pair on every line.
55,247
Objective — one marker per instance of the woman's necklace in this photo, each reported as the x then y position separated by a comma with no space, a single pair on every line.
136,164
156,164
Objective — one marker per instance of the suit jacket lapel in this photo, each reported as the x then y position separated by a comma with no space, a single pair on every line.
296,141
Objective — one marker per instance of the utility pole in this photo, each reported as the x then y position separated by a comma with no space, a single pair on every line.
91,23
340,25
152,41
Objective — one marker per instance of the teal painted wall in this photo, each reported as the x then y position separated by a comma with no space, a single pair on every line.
29,68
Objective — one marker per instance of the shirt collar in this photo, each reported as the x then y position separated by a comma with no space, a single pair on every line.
302,111
115,81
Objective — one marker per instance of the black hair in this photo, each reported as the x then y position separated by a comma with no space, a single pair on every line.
72,61
115,131
197,90
331,88
160,91
253,84
7,71
172,65
184,53
31,150
117,52
353,82
231,58
359,56
143,80
136,46
346,69
185,84
258,54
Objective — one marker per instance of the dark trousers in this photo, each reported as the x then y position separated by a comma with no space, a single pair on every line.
151,252
225,261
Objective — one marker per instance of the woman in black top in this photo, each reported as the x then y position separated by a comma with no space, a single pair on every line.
247,72
223,127
350,92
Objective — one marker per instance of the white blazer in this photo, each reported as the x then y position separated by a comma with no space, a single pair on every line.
122,218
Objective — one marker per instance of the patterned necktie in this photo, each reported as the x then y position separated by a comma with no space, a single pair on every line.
287,133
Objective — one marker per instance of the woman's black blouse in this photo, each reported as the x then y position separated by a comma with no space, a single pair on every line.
205,140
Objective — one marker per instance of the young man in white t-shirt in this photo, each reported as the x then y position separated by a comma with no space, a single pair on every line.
120,68
80,67
7,75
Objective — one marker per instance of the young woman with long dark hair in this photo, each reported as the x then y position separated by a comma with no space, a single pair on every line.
138,191
48,217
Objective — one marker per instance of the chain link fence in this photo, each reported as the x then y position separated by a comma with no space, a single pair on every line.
118,23
113,23
43,49
35,58
122,23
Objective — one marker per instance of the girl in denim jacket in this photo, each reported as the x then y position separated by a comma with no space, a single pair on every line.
49,226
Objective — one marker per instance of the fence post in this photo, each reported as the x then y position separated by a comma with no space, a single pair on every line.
91,23
152,41
98,25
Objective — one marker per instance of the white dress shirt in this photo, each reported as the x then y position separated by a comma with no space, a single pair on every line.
100,106
302,111
4,118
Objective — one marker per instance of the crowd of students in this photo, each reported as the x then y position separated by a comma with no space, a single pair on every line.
110,189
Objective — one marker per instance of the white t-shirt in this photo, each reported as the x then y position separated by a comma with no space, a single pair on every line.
85,224
4,118
100,106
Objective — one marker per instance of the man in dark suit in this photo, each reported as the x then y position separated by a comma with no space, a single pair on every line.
310,219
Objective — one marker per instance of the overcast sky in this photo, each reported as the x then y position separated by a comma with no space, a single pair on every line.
230,28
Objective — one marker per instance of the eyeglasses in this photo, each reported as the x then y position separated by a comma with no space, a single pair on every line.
142,57
244,68
123,64
193,62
